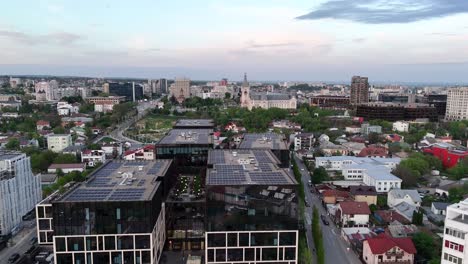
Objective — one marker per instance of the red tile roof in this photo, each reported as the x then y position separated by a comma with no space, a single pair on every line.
43,123
372,152
383,243
352,207
336,193
67,166
362,190
389,216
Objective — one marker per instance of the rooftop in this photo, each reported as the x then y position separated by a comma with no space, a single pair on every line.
352,207
6,154
263,141
119,181
382,243
362,190
68,166
246,167
187,136
181,123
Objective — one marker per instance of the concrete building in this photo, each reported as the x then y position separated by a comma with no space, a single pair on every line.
144,153
66,168
303,141
58,142
116,216
366,129
93,157
385,249
457,108
180,89
353,214
359,90
396,197
401,126
105,104
395,112
265,100
454,247
20,190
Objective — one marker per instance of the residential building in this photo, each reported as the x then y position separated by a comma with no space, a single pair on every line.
359,90
353,214
439,208
366,129
48,89
397,196
66,168
457,108
180,89
20,190
93,157
304,141
454,246
105,104
338,163
42,124
363,193
158,86
385,249
397,112
354,147
144,153
58,142
112,149
328,148
353,129
116,216
390,216
252,208
334,196
275,142
401,126
373,151
265,100
132,91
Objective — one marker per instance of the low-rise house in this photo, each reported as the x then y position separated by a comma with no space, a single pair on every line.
286,124
66,168
73,150
385,217
366,129
401,126
78,131
397,229
385,249
363,193
353,129
24,143
405,209
93,157
58,142
334,196
112,149
145,153
303,141
397,196
354,147
47,179
328,148
351,213
439,208
373,152
42,124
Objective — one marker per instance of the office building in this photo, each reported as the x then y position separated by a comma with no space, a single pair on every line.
359,90
454,246
105,104
252,208
330,102
457,107
20,190
439,101
277,143
396,112
398,98
180,89
132,91
158,86
186,146
116,216
58,142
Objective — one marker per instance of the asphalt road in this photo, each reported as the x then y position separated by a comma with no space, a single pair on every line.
336,251
21,244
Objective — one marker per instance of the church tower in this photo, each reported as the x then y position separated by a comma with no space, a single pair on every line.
245,93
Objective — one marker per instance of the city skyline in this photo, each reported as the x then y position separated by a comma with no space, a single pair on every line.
271,40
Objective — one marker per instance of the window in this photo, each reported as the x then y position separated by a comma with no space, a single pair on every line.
454,246
452,259
455,233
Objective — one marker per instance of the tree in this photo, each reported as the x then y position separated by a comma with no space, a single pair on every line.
227,96
409,177
86,108
65,159
13,144
417,218
59,130
319,175
424,244
374,138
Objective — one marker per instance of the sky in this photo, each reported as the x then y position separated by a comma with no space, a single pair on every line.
291,40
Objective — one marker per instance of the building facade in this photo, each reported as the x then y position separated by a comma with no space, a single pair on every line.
265,100
396,112
385,249
457,108
58,142
330,102
20,190
132,91
454,246
180,89
359,90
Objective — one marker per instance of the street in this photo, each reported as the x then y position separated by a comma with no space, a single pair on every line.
335,248
22,242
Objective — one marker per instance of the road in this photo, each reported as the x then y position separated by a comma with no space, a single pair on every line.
21,244
335,247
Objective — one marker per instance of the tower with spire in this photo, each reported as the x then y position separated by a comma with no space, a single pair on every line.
245,93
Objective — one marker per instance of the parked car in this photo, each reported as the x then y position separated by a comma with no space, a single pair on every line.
306,203
324,220
13,258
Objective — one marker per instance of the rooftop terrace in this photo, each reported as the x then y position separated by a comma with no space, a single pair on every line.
263,141
187,136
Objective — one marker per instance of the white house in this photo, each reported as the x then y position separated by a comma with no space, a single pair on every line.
337,162
401,126
58,142
351,213
397,196
66,168
92,157
439,208
145,153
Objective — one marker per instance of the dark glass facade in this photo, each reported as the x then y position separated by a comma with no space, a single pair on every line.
184,154
126,89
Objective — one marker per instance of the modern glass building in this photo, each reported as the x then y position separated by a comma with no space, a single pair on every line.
126,89
252,208
194,123
117,216
277,143
188,147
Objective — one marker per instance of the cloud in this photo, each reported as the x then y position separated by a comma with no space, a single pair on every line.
359,40
386,11
60,38
254,45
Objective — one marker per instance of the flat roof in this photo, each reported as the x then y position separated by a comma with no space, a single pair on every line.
119,181
263,141
181,123
9,154
187,136
246,167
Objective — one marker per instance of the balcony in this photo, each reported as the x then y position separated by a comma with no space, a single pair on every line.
395,254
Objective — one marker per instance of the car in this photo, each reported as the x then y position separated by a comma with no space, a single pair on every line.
13,258
302,169
307,203
324,220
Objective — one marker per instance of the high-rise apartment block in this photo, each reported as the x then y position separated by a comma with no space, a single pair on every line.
20,190
457,106
359,90
454,246
180,89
